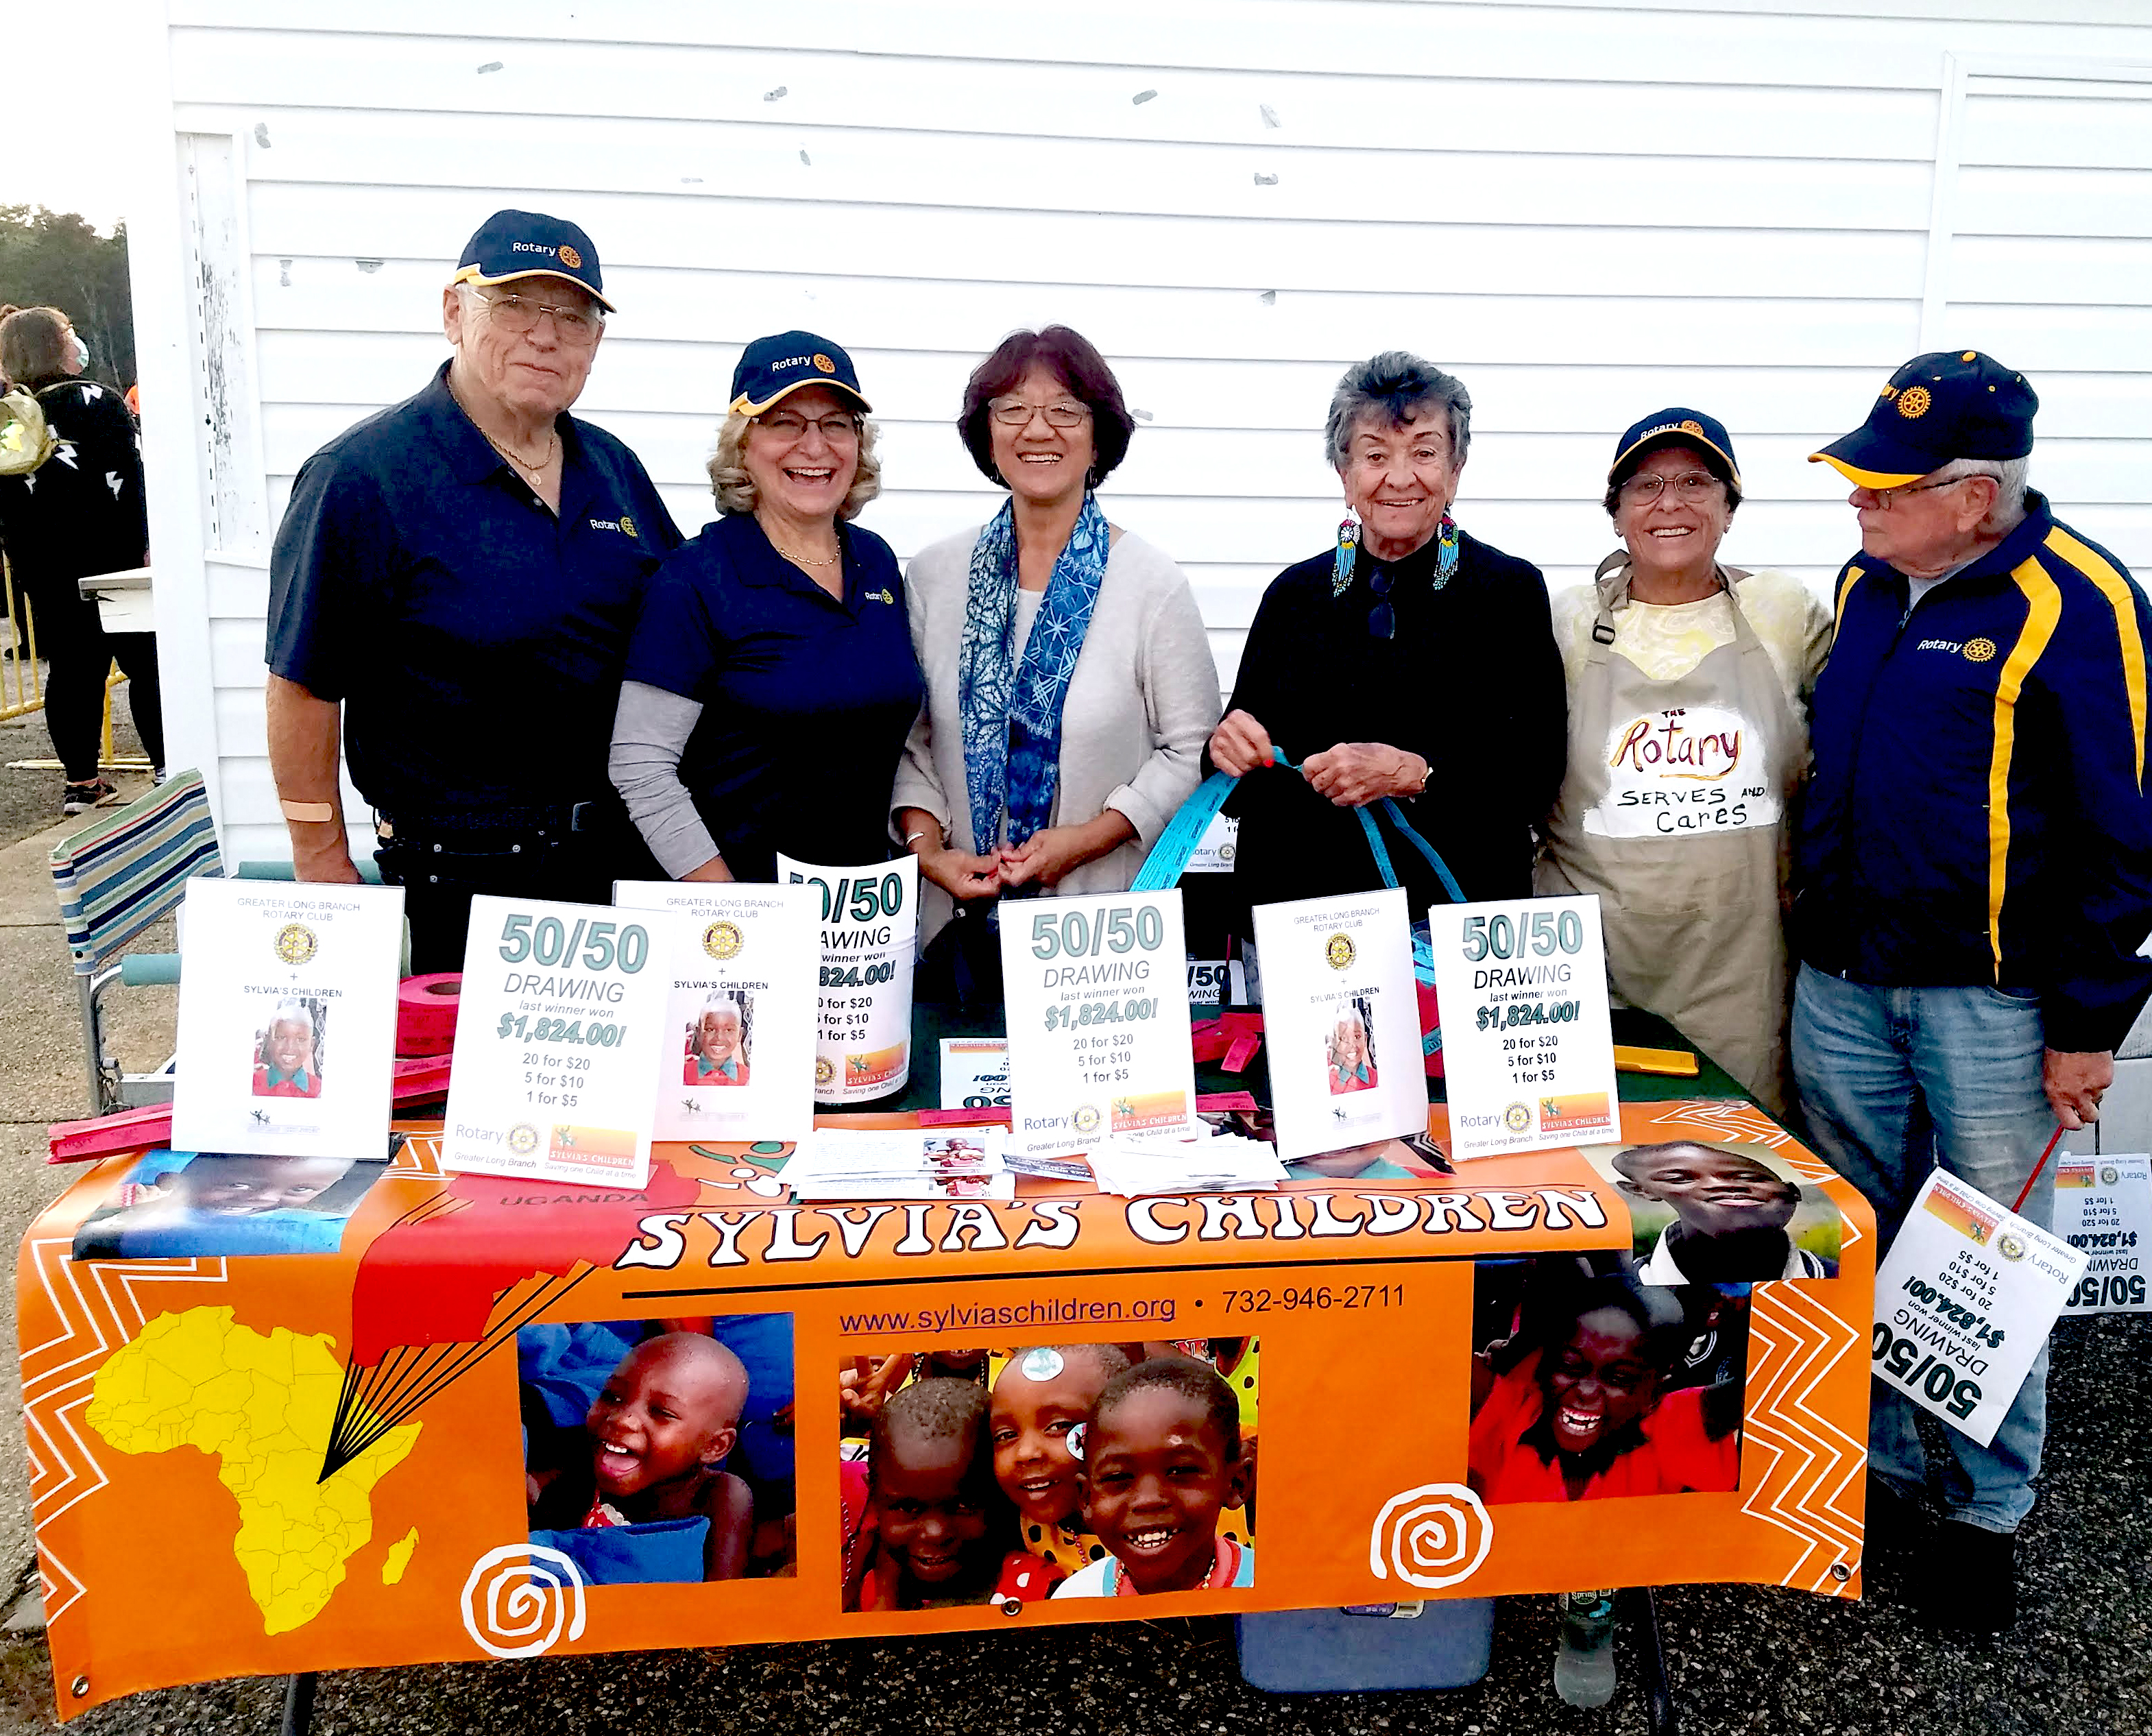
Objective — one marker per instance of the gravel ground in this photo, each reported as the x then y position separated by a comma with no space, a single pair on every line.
1742,1659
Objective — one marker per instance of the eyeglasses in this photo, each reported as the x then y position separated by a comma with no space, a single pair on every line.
1382,619
1689,487
518,315
1884,496
788,425
1012,412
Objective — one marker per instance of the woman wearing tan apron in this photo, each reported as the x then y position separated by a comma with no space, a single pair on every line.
1688,686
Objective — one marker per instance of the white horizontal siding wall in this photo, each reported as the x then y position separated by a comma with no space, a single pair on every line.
1586,211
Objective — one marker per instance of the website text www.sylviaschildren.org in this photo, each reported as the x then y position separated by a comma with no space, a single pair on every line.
1036,1311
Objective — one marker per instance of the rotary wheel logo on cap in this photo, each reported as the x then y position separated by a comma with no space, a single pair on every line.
1691,426
1913,401
296,943
571,258
825,363
1339,951
627,524
722,941
1979,651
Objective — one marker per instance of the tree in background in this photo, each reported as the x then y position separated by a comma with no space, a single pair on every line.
53,259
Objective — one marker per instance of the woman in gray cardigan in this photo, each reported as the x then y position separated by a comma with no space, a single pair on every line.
1069,684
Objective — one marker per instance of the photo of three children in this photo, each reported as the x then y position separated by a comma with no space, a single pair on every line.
1066,1470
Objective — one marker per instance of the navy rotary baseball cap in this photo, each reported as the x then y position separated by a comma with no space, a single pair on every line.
1677,428
530,244
1948,405
772,368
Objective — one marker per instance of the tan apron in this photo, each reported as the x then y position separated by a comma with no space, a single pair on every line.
1674,811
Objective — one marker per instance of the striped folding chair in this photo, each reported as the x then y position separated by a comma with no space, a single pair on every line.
125,870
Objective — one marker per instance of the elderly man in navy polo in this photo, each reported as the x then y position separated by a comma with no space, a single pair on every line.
1975,878
451,594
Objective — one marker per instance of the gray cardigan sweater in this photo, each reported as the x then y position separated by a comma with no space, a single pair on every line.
1140,707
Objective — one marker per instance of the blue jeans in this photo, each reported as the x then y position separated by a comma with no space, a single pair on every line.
1894,1081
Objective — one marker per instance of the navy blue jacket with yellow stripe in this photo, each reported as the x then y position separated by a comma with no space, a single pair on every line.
1978,813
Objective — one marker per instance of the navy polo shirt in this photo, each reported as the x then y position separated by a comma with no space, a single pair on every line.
475,640
806,701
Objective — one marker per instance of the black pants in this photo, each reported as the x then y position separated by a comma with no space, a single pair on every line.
441,870
74,643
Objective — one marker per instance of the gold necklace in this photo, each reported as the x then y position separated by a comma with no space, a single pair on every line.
809,560
533,471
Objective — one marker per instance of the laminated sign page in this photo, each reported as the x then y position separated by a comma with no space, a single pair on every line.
1527,1044
739,1058
287,1018
870,929
1097,992
556,1067
1341,1021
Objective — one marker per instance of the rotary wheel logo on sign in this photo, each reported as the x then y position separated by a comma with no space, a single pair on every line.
296,943
1086,1118
1517,1118
722,941
825,1070
523,1139
1339,951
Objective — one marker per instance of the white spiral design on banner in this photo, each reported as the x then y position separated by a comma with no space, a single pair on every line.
1431,1536
530,1594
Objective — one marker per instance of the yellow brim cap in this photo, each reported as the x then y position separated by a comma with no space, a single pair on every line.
743,405
1864,479
471,274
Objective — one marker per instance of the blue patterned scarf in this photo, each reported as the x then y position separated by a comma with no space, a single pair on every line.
1011,706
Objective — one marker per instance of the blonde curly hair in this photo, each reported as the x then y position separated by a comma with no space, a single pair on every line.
735,490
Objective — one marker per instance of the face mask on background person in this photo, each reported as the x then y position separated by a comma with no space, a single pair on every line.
81,351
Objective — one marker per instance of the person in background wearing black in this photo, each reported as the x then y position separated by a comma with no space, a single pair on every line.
1411,660
71,505
452,590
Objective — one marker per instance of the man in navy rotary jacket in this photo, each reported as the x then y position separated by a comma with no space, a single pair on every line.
1975,877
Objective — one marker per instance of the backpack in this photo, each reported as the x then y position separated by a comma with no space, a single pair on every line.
25,442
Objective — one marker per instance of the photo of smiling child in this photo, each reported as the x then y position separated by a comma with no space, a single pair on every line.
925,1525
1583,1395
175,1203
1162,1462
1353,1050
288,1050
1043,1400
1711,1213
718,1043
639,1493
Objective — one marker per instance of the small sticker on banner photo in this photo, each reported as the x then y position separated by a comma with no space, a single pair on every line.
1341,1022
555,1072
738,1063
2103,1210
287,1018
1964,1300
1527,1042
870,928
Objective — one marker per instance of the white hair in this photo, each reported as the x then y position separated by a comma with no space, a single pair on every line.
2010,476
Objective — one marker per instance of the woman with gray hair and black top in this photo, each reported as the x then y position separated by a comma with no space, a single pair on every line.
1410,660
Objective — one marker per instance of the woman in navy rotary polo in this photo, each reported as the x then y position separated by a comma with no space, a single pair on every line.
771,680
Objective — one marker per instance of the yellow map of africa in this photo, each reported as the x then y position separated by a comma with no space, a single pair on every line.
263,1407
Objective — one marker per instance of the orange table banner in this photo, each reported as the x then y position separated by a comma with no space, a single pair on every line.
388,1415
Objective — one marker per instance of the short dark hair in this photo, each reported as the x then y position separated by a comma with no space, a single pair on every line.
1632,462
940,1408
1398,386
1656,1309
1081,369
1197,1382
